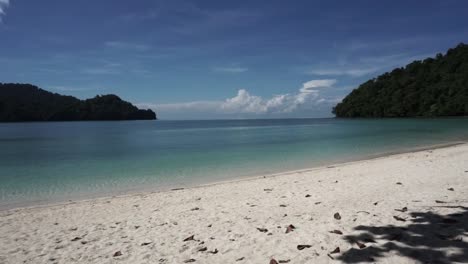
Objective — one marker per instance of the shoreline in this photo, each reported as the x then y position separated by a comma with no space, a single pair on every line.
405,208
169,188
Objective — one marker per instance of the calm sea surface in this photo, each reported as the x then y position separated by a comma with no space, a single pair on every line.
44,162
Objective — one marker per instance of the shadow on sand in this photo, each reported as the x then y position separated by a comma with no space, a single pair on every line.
427,238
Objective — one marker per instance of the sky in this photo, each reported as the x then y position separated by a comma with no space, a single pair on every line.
220,59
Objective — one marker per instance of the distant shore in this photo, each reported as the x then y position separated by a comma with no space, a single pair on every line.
403,208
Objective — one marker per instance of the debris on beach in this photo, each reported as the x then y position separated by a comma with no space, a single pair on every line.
301,247
338,232
192,237
336,250
189,260
117,254
290,228
360,245
337,216
399,218
263,230
404,209
451,189
273,261
399,183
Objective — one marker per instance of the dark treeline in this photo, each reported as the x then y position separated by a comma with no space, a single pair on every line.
432,87
25,102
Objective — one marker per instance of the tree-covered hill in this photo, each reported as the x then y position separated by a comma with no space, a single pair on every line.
25,102
432,87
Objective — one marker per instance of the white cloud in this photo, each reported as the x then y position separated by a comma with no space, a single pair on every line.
246,104
356,72
3,6
230,69
310,86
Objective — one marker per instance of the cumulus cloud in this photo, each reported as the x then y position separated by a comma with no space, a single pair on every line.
3,6
246,104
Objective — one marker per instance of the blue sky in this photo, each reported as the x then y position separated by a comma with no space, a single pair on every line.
220,59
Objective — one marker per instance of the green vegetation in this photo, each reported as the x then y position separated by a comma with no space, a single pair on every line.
25,102
429,88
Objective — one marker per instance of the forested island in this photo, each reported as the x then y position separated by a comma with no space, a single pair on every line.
26,102
429,88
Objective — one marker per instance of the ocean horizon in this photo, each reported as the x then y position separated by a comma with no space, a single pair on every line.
46,162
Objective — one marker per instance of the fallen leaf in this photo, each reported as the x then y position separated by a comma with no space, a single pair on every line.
76,239
283,205
268,190
451,189
284,261
440,202
376,203
301,247
145,243
203,249
399,183
263,230
308,195
117,254
192,237
240,259
189,260
337,250
360,245
195,209
338,232
290,228
337,216
404,209
399,218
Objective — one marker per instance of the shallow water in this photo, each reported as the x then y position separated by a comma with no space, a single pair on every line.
43,162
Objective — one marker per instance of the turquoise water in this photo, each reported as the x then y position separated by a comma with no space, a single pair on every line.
43,162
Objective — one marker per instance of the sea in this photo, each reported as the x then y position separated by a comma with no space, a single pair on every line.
49,162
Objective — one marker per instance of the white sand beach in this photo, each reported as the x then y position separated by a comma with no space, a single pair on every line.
405,208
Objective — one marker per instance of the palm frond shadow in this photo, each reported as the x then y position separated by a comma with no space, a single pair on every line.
427,238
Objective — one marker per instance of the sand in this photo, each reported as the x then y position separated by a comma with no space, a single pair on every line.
247,221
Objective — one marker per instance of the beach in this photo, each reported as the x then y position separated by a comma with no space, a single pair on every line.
403,208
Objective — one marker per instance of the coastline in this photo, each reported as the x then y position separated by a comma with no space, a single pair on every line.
151,190
403,208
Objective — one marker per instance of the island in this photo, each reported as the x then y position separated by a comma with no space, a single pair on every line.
434,87
26,102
